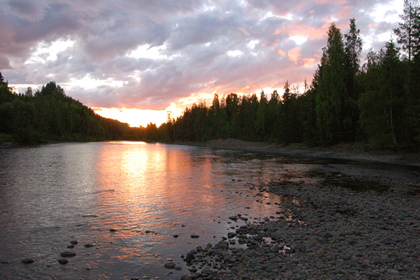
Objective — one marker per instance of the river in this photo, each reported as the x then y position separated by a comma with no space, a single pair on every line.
131,206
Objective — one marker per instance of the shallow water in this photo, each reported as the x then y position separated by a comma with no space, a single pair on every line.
53,194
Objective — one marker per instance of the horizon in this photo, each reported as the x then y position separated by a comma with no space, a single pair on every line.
144,59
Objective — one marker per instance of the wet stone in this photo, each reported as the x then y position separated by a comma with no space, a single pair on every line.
62,261
169,265
67,254
28,261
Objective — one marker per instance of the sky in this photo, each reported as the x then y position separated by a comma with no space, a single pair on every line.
135,61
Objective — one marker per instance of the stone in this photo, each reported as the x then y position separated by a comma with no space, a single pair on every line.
231,235
63,261
88,245
28,261
194,236
169,265
113,230
327,235
67,254
189,257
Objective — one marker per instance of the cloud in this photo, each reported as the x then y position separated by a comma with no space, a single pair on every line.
150,54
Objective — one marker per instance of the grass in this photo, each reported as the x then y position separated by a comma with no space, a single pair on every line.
5,138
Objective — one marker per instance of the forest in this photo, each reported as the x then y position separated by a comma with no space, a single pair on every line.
50,115
377,103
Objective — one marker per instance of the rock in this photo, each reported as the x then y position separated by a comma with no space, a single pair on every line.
63,261
67,254
175,235
28,261
275,249
327,235
169,265
88,245
233,218
113,230
189,257
206,271
70,246
194,236
231,235
73,242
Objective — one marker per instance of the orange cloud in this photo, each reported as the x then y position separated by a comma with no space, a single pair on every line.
297,29
281,52
331,1
294,54
309,62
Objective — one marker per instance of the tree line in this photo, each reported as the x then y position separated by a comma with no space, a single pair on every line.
50,115
377,103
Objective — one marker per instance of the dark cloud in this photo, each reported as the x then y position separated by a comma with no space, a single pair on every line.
189,46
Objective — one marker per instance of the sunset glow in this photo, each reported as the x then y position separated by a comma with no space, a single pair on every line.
134,117
142,61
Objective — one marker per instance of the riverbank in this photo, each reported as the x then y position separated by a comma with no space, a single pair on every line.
322,230
347,152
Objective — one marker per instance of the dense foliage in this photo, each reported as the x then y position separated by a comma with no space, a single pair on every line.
378,103
50,115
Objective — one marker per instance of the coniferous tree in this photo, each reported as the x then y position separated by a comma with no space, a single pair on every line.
382,114
332,89
353,48
408,31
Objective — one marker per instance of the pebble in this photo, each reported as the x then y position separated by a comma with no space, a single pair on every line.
63,261
170,265
321,237
67,254
28,261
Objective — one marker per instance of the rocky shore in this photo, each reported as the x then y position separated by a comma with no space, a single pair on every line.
321,232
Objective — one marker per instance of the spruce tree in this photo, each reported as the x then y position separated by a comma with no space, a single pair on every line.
331,89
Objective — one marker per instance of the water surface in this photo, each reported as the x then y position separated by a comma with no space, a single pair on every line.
58,193
54,194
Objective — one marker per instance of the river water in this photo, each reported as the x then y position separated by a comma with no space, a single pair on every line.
152,197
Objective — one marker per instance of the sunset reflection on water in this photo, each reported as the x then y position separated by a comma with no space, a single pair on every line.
145,193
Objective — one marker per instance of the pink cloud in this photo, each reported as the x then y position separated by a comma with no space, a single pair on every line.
298,29
281,52
294,54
